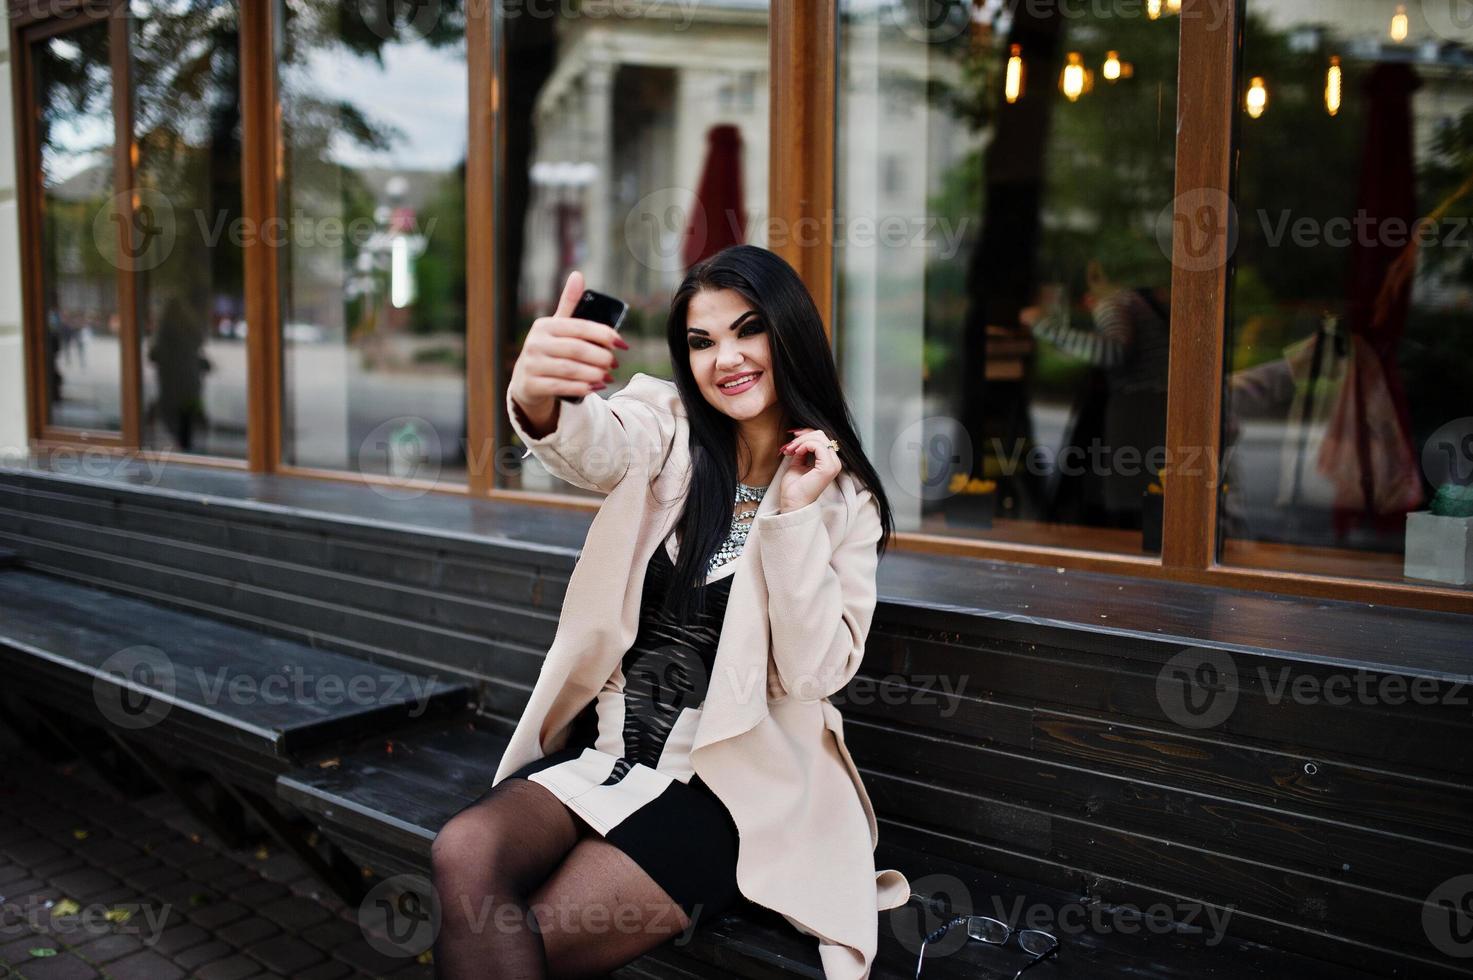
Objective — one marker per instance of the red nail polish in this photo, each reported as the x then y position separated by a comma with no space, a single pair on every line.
621,343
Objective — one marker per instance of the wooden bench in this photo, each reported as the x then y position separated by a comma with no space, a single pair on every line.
1325,826
168,687
385,802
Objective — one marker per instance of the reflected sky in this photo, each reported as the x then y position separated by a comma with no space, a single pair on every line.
419,90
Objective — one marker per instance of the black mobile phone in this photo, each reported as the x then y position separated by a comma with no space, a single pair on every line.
600,308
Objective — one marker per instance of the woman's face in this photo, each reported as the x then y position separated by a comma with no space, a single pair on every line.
728,341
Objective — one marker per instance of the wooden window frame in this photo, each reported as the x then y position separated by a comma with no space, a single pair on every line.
31,23
803,97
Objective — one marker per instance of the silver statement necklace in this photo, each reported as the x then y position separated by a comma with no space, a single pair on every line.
741,524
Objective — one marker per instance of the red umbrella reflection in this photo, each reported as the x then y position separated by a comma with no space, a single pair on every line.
717,217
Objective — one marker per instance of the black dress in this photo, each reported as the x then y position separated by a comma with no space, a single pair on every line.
626,766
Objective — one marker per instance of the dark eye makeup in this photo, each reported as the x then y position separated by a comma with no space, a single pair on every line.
752,326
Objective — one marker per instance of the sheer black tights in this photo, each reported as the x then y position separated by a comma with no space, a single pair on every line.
527,890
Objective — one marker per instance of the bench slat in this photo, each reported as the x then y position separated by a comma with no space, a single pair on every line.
273,695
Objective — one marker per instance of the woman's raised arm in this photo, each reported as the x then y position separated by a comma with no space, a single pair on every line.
590,442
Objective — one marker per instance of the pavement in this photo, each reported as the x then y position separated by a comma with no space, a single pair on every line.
93,884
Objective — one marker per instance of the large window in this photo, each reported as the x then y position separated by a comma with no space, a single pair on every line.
185,96
1350,342
1002,266
79,250
635,144
371,254
1020,240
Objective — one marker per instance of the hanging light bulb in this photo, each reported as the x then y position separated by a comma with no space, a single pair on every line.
1012,86
1075,79
1399,24
1332,86
1111,68
1257,98
1153,9
1173,6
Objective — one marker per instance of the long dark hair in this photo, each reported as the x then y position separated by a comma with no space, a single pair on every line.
807,383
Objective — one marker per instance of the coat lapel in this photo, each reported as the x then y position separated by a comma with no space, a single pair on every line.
736,699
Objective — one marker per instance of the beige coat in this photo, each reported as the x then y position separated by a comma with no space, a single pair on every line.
769,743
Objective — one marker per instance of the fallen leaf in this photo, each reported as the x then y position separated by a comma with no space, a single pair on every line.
66,907
41,951
81,833
118,915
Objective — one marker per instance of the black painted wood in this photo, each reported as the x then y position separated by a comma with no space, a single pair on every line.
209,679
1008,719
917,588
390,798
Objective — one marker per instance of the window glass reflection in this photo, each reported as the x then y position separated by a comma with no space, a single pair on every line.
191,305
635,144
372,251
1003,305
1349,425
79,231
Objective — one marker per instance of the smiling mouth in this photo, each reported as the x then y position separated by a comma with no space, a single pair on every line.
751,376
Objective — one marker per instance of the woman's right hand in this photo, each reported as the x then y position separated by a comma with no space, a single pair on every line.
563,356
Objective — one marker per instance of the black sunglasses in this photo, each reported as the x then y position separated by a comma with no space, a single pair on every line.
1039,944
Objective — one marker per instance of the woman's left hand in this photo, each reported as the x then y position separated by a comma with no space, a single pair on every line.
814,467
